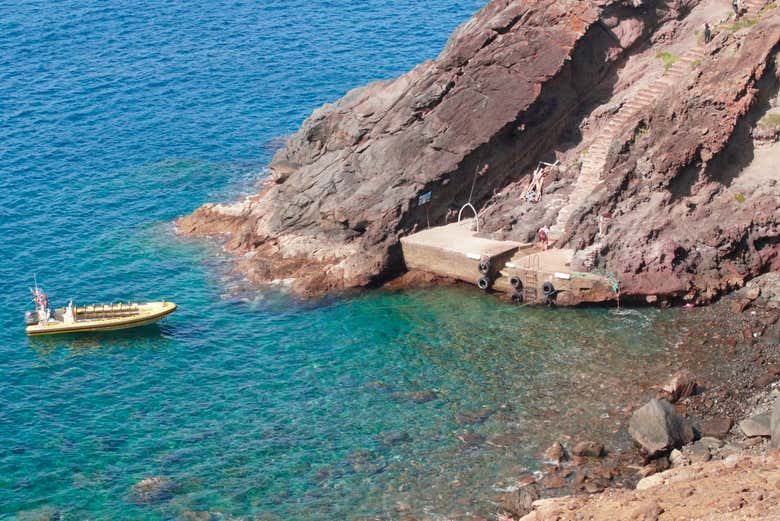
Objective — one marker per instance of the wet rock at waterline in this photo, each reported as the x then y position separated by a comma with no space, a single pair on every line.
519,502
555,454
657,428
588,449
681,385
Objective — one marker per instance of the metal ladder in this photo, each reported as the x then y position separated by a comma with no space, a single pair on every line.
530,292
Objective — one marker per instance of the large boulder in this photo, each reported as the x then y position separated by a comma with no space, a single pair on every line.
758,425
658,428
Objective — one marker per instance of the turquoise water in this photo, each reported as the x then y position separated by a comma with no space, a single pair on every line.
117,117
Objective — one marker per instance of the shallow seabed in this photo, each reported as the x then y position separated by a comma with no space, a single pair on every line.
430,399
117,118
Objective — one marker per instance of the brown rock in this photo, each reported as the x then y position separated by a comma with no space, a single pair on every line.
757,425
555,453
525,480
650,511
770,375
752,293
589,449
519,502
655,466
739,305
347,183
553,481
681,385
716,427
657,427
594,487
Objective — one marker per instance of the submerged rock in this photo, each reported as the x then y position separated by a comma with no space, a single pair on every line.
364,461
471,439
153,490
416,396
45,513
657,428
393,438
198,515
477,416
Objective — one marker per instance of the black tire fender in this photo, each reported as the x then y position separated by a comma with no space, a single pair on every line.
484,267
548,288
483,283
516,282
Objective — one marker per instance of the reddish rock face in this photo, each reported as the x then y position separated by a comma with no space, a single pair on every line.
516,81
700,219
346,186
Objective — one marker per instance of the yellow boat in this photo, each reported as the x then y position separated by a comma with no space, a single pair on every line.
101,317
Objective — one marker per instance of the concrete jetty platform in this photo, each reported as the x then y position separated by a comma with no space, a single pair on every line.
520,269
550,276
454,250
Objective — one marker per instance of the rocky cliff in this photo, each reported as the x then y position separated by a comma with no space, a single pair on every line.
685,177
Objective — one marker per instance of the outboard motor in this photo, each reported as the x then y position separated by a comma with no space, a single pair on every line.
31,318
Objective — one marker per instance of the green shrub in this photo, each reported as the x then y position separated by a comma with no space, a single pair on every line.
744,23
667,58
770,120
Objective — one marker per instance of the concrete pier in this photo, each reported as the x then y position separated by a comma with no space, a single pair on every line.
455,251
520,269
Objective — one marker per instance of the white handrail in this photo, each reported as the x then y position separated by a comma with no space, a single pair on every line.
476,217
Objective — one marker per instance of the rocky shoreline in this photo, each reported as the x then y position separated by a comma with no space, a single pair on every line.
714,430
677,215
682,205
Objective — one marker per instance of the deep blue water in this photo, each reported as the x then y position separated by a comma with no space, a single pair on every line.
117,117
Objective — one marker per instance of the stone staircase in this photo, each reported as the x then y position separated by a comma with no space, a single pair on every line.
595,158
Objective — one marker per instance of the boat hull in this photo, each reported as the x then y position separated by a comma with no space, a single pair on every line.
149,313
